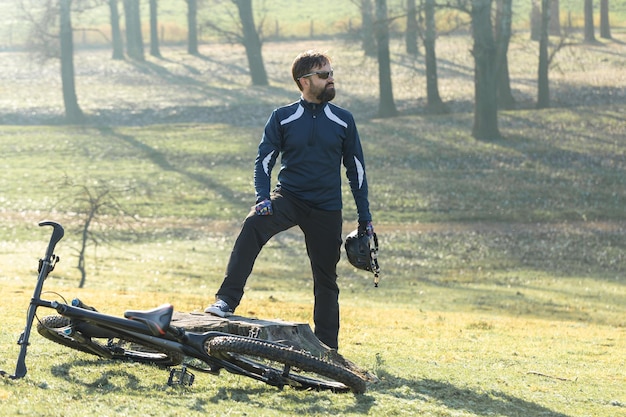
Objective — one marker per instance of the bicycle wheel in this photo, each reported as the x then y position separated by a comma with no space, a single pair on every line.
281,365
59,329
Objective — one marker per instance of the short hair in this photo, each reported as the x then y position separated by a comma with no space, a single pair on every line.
306,62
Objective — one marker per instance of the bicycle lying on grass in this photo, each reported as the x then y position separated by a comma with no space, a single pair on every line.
148,337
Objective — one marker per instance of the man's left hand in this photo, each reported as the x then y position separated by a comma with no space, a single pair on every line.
366,228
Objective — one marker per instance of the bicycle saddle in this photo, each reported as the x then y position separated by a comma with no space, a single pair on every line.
158,319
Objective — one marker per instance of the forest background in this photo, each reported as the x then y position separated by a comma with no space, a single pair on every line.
503,260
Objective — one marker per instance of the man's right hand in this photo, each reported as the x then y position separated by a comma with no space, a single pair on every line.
264,208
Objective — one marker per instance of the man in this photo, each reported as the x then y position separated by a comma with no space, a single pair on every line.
313,138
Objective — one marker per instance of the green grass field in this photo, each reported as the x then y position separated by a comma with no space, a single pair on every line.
503,289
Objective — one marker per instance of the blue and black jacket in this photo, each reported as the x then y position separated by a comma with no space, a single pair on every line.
313,140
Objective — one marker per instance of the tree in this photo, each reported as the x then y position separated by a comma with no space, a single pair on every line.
535,20
554,27
192,26
251,42
368,37
412,29
73,113
134,38
434,102
543,90
116,34
154,30
485,77
51,37
605,27
92,205
387,105
589,27
504,19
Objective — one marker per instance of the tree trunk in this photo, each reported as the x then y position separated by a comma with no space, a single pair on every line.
252,43
83,249
116,34
154,29
435,104
543,90
554,28
73,113
367,29
192,27
589,27
605,27
535,20
387,107
411,34
134,39
485,79
504,18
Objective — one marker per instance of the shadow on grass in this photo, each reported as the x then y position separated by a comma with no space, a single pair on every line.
441,393
115,379
108,380
462,399
161,160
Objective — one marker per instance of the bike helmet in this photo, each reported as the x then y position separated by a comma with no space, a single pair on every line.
362,251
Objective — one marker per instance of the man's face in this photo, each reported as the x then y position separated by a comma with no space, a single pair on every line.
322,89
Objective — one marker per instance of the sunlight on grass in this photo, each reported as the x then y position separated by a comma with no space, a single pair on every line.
503,285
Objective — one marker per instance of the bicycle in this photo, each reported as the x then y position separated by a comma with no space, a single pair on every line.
149,337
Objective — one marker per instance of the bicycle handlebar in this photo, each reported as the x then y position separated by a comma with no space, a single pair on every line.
57,235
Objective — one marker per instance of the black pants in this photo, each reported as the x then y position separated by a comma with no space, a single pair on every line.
322,234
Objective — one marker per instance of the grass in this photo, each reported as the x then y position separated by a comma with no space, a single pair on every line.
503,287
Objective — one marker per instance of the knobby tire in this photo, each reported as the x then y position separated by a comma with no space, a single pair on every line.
51,327
300,369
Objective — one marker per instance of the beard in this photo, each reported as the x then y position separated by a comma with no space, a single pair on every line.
327,93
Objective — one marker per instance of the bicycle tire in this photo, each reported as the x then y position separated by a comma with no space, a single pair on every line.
54,328
310,371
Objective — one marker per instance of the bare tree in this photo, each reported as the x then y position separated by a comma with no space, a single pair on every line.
504,19
589,26
192,27
435,104
605,27
251,42
368,37
535,20
134,38
51,37
73,113
154,29
387,106
93,202
412,29
116,34
543,90
249,36
554,27
485,76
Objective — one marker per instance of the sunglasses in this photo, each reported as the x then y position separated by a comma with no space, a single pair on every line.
322,74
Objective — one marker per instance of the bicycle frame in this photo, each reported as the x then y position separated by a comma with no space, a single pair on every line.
149,332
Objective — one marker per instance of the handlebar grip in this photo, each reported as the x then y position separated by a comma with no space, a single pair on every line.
57,235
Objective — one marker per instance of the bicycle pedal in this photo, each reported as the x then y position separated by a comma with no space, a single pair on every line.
181,377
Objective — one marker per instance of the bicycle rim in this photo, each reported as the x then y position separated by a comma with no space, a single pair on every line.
281,365
59,330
